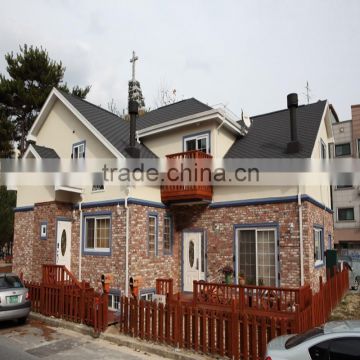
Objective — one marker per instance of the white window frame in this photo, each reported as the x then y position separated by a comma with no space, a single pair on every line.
347,207
156,234
147,295
170,234
78,146
96,249
256,229
111,306
196,138
317,230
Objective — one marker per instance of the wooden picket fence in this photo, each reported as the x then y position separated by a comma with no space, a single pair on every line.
61,295
234,327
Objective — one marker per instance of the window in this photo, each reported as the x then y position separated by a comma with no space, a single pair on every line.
98,182
345,348
302,337
152,234
78,150
257,256
346,214
323,150
318,246
342,149
97,233
168,233
147,294
43,230
114,300
199,142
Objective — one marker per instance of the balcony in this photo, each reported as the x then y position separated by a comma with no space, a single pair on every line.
178,187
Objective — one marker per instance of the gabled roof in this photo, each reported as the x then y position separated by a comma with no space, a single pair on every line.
114,128
269,134
45,152
173,111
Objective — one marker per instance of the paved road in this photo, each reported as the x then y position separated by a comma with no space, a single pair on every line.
35,340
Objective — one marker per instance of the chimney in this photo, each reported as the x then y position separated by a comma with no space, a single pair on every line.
292,103
132,150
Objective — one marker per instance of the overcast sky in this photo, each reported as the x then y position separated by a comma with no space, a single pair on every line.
245,54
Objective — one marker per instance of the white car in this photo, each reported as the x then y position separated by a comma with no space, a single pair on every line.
336,340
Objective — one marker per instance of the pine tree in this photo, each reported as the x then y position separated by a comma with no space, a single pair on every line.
6,136
7,204
31,76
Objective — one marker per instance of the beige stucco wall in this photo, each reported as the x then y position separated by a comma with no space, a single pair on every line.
171,142
61,130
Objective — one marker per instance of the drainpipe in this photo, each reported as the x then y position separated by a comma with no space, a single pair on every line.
301,240
80,242
127,244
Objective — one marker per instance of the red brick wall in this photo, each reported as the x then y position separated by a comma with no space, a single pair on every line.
30,252
150,267
23,243
219,223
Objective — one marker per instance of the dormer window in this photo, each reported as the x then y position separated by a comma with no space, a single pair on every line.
200,142
78,150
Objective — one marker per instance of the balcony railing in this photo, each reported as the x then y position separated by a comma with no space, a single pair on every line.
178,188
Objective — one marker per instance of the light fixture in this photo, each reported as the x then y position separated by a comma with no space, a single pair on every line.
118,209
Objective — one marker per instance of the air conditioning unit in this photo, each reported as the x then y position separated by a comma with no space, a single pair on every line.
159,299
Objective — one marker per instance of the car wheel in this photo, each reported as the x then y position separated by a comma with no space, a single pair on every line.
22,320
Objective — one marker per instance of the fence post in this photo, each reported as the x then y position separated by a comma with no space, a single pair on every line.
82,302
241,298
234,330
195,292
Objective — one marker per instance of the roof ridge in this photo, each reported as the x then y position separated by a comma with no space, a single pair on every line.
88,102
177,102
278,111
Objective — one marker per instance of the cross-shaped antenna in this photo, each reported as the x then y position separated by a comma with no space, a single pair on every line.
132,60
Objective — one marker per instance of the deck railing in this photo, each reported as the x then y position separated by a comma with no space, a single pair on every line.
199,188
61,295
231,330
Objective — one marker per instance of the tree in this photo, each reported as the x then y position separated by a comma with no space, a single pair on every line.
6,135
113,107
7,203
166,96
31,76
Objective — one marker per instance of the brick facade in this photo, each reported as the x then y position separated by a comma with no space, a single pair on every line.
217,223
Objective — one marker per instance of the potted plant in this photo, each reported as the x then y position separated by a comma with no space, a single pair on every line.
242,280
228,272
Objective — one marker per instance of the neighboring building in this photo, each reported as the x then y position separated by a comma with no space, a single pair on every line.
159,232
346,197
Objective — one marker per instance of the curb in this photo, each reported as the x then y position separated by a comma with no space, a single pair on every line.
122,340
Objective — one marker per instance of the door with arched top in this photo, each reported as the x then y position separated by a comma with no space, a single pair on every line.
63,243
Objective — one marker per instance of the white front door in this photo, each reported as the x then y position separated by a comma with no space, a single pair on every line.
63,243
193,259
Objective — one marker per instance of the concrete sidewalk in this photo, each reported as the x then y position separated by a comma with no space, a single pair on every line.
113,335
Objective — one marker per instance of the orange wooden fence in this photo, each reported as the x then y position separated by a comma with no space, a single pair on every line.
234,329
59,294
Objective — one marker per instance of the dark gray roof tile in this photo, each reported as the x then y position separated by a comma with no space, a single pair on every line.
269,134
45,152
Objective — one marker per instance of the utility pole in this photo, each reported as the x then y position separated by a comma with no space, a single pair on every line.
308,97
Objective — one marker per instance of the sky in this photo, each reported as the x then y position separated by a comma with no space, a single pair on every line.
247,55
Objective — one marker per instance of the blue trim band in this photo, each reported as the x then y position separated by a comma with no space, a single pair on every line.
272,200
24,208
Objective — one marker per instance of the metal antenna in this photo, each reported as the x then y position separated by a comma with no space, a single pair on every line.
308,91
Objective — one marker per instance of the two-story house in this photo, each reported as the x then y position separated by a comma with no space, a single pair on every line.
273,235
